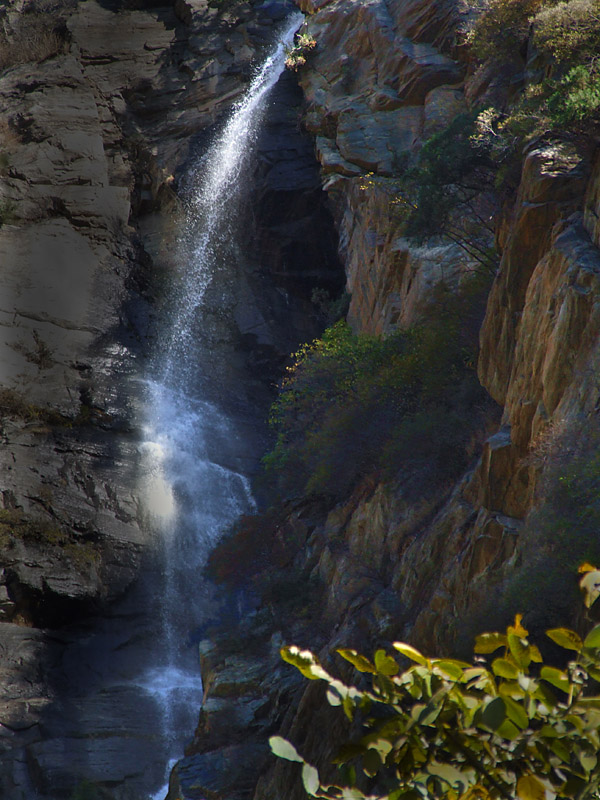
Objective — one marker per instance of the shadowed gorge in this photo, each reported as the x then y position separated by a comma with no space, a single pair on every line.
300,355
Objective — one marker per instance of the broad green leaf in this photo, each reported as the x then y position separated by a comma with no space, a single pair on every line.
508,730
310,779
530,788
546,695
348,707
284,749
594,673
536,656
504,668
452,668
494,714
357,660
565,638
516,713
429,713
385,664
411,652
561,750
519,649
304,661
511,689
592,640
488,642
556,677
448,773
588,761
589,702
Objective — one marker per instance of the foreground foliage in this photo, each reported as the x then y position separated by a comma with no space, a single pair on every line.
444,728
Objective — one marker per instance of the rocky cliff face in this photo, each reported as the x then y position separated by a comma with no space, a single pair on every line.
383,76
104,108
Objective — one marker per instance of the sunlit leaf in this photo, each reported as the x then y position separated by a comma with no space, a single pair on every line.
452,668
304,661
508,730
586,567
385,664
556,677
536,656
592,640
588,761
504,668
530,788
519,649
358,661
565,638
447,772
310,779
489,642
333,698
284,749
411,652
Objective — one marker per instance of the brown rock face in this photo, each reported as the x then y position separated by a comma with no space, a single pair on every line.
379,82
389,567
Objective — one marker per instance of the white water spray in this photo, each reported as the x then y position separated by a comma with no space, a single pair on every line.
196,487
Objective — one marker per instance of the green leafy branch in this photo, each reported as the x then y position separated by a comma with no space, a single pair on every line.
514,727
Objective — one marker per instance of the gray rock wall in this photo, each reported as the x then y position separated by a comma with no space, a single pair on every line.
97,133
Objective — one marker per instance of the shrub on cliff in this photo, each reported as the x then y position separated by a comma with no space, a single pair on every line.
501,31
444,190
352,404
563,88
513,728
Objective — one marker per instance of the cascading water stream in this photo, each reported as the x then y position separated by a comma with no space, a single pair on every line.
197,485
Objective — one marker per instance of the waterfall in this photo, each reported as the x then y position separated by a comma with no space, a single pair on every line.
197,486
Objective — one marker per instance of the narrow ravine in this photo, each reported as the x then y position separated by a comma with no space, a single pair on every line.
198,481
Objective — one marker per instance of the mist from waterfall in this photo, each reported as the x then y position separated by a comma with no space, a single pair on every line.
197,486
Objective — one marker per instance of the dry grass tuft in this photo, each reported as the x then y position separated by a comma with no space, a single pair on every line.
35,38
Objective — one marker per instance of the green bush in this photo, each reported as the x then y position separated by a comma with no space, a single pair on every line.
356,404
454,167
501,31
576,97
568,31
512,728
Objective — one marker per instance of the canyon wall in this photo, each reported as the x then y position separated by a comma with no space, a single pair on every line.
381,78
106,108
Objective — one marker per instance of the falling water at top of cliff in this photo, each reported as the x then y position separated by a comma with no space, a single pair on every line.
198,485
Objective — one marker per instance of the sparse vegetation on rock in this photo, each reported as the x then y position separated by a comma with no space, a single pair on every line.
356,404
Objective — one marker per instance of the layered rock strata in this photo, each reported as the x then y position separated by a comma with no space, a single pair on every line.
96,140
